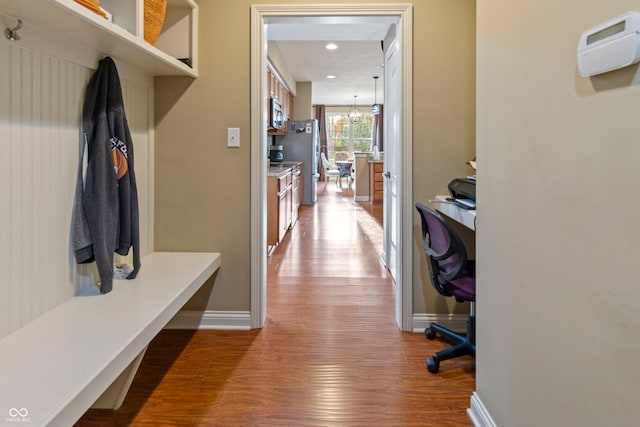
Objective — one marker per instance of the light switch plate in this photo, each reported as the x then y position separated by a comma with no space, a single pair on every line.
233,137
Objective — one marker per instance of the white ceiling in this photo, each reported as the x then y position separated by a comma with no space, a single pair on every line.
359,57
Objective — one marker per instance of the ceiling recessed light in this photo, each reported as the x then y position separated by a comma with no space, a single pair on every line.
331,46
331,76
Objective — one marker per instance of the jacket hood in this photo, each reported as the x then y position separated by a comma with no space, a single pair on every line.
103,93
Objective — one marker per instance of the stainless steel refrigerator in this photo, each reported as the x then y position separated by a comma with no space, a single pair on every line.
300,144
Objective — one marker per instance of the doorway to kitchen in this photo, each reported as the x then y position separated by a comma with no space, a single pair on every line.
260,16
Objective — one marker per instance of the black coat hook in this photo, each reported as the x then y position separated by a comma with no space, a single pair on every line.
12,33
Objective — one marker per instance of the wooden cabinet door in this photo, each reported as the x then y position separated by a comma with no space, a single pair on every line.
283,207
272,84
376,182
273,231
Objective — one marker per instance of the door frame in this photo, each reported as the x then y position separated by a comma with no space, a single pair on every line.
259,158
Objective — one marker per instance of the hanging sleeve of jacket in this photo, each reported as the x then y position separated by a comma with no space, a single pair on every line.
105,217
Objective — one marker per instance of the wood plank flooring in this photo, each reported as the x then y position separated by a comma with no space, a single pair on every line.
330,353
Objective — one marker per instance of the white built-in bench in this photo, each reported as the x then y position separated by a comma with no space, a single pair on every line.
88,348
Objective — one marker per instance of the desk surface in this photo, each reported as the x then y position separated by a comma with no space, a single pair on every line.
466,217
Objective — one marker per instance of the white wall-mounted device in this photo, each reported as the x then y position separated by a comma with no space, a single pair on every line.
609,46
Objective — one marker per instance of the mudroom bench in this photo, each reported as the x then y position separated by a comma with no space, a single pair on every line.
86,351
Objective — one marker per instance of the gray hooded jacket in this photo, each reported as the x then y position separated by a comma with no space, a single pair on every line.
105,217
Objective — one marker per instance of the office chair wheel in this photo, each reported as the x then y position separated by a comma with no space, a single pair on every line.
430,333
433,365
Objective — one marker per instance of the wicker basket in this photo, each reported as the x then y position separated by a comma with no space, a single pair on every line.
154,13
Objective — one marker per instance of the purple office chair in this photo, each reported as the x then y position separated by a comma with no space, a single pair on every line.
453,276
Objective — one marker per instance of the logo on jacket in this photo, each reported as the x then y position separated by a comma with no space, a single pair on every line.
120,156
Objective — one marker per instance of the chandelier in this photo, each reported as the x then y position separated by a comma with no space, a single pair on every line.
355,115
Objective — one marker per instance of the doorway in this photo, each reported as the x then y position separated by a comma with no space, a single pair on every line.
259,15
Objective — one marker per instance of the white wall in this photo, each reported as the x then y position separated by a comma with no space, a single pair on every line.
558,226
42,83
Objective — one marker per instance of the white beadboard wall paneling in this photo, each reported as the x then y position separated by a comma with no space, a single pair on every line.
138,102
41,98
41,41
41,120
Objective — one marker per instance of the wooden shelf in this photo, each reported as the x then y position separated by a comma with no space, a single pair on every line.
122,39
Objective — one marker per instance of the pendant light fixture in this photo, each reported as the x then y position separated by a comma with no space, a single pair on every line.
355,115
375,108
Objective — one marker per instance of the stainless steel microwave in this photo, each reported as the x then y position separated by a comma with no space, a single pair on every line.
276,116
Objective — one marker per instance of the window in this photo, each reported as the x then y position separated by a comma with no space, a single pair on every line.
345,135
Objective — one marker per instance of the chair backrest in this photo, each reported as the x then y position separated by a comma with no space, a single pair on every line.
325,162
341,156
445,251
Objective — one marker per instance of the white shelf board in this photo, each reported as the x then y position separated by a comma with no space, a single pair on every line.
57,365
73,22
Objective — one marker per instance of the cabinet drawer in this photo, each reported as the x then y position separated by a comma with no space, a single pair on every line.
378,186
283,182
378,167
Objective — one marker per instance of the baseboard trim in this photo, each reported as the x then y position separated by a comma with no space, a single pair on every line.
361,198
218,320
479,414
455,322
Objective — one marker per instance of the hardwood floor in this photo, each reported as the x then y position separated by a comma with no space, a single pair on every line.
330,353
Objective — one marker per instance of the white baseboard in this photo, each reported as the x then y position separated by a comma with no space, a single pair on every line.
479,414
220,320
455,322
361,198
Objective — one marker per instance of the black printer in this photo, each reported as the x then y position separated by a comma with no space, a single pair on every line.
463,188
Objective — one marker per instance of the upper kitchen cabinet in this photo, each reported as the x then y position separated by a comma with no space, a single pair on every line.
175,52
278,90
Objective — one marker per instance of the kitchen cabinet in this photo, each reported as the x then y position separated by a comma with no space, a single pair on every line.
273,211
284,205
278,90
300,183
174,53
296,193
279,204
376,181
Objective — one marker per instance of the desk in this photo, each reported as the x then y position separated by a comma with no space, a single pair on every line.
466,217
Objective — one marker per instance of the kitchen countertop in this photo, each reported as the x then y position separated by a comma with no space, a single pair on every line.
278,171
282,168
285,164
